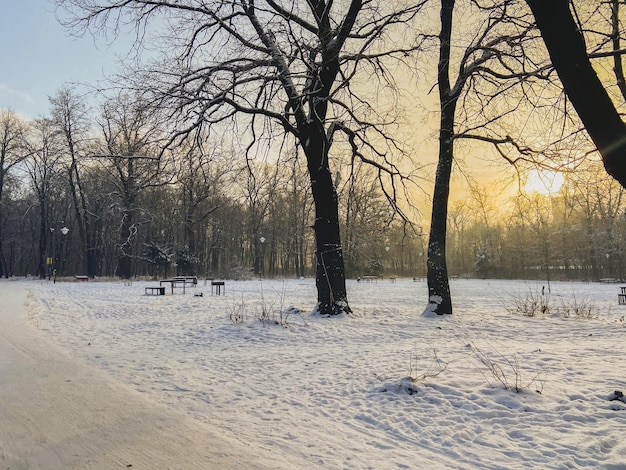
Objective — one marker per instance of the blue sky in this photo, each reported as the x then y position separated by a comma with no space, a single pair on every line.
37,56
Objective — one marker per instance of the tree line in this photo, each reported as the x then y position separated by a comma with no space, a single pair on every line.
204,213
199,210
576,233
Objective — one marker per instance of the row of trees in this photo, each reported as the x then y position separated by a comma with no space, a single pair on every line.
319,78
203,213
197,210
576,233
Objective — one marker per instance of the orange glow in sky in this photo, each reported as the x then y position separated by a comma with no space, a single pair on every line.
544,181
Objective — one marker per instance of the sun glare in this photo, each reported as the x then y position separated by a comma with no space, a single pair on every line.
544,181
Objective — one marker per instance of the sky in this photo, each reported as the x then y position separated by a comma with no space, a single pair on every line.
39,56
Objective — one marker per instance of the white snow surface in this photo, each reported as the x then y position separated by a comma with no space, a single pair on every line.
383,388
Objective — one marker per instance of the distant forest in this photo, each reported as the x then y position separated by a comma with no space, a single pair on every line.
201,211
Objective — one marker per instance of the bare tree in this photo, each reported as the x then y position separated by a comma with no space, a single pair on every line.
12,152
276,63
258,183
567,48
299,213
45,150
69,114
493,54
367,216
130,157
199,170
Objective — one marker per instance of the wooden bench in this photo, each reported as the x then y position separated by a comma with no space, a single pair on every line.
82,278
155,290
217,287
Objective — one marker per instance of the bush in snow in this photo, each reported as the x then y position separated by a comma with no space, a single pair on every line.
531,304
539,302
506,369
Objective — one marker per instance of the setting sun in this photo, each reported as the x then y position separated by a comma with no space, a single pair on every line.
543,181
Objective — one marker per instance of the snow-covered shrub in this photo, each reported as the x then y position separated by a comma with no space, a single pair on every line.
535,303
531,303
576,308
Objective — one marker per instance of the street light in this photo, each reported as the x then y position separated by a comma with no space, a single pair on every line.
386,261
64,231
262,260
50,257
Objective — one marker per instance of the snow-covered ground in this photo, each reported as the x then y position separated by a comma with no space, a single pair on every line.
334,393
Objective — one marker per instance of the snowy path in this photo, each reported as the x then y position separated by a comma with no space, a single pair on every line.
56,413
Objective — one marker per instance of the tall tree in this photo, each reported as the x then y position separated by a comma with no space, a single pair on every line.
130,131
566,45
199,170
12,152
44,145
258,183
494,53
70,116
277,63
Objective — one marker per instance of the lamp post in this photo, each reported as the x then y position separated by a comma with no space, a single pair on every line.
50,257
421,264
262,260
64,231
386,262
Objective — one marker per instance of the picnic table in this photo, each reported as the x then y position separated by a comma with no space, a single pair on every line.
180,282
155,291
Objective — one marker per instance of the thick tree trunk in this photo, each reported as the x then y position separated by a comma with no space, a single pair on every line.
566,47
439,298
330,276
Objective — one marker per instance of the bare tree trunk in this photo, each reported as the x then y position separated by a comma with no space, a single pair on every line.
439,298
330,278
566,47
124,259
